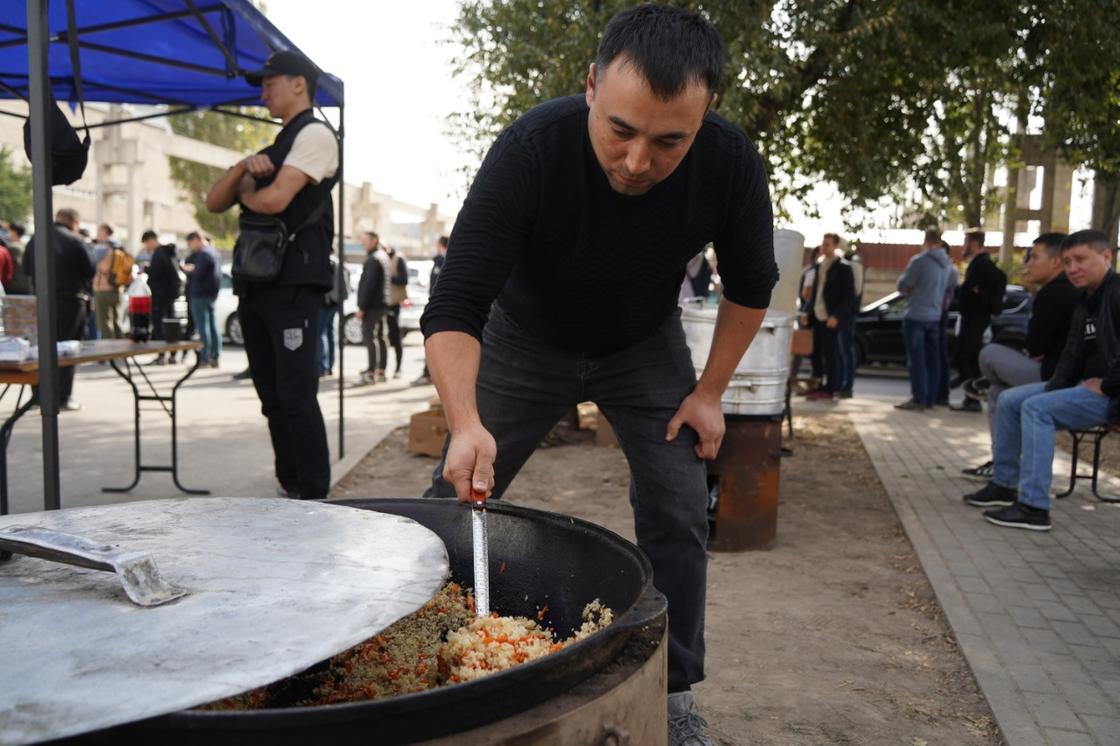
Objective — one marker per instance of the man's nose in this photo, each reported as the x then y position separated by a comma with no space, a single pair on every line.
637,158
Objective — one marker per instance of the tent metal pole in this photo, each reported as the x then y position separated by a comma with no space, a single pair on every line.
341,260
37,43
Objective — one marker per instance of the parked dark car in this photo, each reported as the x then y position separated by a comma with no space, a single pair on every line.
879,326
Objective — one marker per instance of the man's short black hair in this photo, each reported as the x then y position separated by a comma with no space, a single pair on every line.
933,236
975,234
148,234
443,241
18,228
1051,243
1095,240
194,235
669,47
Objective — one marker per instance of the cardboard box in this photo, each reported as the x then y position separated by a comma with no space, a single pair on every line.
426,433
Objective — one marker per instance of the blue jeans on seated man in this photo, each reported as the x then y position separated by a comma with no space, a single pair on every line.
526,385
923,358
1027,419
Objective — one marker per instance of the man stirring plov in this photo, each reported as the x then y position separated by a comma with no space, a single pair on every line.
561,286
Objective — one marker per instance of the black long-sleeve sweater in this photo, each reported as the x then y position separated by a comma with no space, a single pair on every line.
588,269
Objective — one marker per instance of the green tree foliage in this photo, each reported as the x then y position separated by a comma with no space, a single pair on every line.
1079,93
195,179
15,189
907,101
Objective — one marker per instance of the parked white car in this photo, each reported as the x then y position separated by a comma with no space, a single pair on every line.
225,309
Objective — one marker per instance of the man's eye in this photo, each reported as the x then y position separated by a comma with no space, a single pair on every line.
622,134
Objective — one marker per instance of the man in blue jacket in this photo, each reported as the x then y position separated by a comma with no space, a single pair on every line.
923,284
204,280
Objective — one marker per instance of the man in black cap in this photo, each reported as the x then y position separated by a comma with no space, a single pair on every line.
291,180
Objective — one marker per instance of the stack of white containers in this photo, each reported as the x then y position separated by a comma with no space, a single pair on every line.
759,384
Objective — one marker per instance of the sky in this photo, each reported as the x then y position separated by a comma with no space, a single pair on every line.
399,89
396,64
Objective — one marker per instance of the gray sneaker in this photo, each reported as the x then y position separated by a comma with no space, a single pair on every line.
686,727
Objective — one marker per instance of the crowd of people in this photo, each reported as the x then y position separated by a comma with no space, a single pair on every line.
92,275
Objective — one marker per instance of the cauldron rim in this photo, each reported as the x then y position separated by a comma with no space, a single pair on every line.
555,669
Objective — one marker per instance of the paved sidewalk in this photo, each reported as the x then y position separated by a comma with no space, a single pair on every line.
223,438
1037,615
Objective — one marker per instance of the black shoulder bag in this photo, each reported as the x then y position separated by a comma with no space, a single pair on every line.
262,242
69,155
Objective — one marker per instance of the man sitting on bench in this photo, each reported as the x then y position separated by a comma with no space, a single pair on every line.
1083,391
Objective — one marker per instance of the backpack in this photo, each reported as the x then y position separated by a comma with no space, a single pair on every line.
69,155
120,268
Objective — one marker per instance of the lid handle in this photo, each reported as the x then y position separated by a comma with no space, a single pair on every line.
137,571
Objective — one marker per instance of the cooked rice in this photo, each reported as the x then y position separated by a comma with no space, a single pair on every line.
441,643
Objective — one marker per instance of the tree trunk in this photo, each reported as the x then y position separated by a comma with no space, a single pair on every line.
1106,204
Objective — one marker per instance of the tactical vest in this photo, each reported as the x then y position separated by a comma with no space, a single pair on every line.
307,261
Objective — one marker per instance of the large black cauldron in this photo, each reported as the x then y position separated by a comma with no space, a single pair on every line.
536,558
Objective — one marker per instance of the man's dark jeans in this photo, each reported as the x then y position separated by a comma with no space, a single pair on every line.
281,329
526,386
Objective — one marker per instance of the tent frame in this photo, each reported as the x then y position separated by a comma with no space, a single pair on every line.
39,85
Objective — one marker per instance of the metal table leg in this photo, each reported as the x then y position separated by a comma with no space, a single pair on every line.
21,409
171,411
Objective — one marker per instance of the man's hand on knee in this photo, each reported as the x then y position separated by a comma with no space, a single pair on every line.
470,462
704,415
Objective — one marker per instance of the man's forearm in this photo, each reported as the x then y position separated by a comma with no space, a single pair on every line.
453,360
735,329
223,195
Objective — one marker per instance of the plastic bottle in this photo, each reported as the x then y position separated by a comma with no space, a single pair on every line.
140,310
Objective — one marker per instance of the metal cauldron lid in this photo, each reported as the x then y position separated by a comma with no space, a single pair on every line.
274,586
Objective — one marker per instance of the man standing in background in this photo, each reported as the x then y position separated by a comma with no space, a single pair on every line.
373,297
398,291
164,282
923,283
981,297
204,280
73,271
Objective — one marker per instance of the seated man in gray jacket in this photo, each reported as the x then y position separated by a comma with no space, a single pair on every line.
923,283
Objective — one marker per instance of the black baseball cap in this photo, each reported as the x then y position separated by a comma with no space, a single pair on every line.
285,62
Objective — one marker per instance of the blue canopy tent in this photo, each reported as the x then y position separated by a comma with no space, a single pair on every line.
188,55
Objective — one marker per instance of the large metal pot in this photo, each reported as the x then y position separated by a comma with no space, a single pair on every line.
758,386
536,558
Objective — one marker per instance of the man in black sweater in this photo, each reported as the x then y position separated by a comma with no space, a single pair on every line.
981,296
1004,367
529,318
73,275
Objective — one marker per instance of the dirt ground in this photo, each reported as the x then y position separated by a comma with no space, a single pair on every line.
833,636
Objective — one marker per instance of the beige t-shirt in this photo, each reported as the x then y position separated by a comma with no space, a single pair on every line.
314,152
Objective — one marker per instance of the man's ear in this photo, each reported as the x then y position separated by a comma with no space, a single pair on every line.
590,94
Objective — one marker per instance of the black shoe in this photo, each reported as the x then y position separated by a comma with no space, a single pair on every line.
242,375
968,405
1020,516
984,472
160,360
844,395
992,495
289,492
976,388
941,403
910,406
